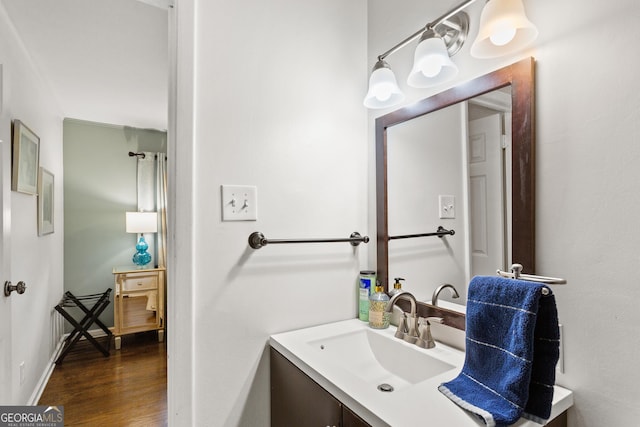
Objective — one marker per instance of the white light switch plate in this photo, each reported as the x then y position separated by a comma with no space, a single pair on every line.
239,202
447,207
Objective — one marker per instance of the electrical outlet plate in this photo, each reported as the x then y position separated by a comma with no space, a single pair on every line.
21,373
239,202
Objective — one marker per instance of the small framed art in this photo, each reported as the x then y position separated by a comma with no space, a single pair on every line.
45,202
26,149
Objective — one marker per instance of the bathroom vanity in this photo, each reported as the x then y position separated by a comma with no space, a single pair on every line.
339,374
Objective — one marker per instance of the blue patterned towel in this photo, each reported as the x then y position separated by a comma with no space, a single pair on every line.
512,347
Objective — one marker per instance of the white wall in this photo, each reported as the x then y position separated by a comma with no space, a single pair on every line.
278,129
278,89
36,260
588,181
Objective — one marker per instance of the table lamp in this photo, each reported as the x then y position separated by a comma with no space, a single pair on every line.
142,222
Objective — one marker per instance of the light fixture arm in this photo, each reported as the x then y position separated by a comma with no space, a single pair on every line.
402,44
430,26
450,13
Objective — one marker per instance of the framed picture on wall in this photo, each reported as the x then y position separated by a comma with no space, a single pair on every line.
26,150
45,202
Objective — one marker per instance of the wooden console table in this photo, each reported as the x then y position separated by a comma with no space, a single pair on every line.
138,302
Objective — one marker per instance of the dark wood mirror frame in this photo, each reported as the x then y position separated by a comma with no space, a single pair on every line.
520,76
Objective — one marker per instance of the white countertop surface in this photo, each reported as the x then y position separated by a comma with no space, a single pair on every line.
404,407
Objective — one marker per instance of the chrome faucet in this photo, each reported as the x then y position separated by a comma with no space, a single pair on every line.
409,332
436,293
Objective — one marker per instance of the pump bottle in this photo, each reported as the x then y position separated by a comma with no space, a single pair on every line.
378,315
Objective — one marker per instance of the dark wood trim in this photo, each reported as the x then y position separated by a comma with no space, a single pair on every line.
382,225
450,318
520,76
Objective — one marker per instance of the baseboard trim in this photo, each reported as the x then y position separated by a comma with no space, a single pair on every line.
44,378
48,371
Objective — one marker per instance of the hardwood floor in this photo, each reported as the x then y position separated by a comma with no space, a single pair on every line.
129,388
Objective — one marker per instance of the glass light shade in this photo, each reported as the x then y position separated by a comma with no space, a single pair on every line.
141,222
383,88
431,64
504,29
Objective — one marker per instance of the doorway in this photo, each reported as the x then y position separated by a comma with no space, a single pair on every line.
489,159
51,51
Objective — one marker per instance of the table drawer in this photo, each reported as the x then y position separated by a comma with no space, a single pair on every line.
138,282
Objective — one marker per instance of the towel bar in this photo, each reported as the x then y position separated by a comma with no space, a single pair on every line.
440,232
257,240
516,273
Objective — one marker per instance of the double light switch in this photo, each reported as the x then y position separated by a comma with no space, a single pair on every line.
239,203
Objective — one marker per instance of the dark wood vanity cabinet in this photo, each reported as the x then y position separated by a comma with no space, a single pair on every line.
559,421
297,400
350,419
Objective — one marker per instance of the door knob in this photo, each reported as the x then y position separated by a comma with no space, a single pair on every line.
8,288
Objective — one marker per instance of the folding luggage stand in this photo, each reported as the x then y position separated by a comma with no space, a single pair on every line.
98,303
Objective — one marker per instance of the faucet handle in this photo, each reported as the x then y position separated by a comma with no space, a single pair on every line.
402,327
426,339
405,332
412,330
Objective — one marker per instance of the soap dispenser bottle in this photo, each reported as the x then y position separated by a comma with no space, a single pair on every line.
397,287
367,284
378,315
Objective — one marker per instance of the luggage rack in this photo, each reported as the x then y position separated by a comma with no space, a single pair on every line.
98,303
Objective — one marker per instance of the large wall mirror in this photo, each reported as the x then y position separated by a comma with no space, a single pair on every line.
462,160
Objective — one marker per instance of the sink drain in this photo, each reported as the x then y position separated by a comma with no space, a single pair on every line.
385,387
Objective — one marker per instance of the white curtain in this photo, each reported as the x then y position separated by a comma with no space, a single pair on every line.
152,197
161,208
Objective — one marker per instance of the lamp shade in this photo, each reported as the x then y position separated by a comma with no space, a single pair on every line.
383,87
142,222
431,64
504,29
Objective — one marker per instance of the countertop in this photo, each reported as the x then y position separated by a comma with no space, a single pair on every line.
406,407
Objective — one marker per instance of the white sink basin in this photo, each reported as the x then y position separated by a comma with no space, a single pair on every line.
379,359
350,360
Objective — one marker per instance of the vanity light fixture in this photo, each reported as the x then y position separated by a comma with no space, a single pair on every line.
504,29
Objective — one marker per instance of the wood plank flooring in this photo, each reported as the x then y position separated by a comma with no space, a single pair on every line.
129,388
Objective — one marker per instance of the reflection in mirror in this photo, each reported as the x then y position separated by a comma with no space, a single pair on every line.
441,162
448,168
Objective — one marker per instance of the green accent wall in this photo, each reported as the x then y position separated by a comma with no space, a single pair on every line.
99,187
